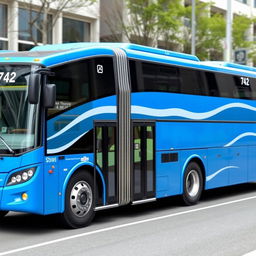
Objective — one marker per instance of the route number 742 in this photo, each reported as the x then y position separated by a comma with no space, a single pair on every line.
8,77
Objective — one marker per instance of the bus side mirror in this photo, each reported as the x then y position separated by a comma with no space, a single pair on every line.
33,89
49,95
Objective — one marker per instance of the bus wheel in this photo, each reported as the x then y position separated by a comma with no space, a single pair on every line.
79,201
192,184
2,214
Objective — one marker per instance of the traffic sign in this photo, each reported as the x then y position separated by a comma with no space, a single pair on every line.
240,56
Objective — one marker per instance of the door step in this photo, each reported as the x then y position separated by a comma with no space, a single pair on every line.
143,201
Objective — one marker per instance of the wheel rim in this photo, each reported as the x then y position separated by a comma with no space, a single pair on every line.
81,198
192,183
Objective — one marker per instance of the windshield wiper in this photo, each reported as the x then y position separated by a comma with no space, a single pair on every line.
8,147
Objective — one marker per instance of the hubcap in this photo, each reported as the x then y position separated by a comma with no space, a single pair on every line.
81,198
192,183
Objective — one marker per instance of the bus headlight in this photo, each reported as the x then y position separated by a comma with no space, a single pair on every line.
21,176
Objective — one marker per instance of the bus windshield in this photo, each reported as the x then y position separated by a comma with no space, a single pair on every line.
18,118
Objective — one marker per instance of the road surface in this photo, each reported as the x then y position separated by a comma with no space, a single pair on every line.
223,223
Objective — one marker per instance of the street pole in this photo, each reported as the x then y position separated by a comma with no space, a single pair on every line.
193,28
228,43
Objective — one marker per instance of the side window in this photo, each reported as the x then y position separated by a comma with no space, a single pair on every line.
212,85
226,85
160,78
245,87
81,82
164,78
78,83
154,77
192,82
72,85
103,79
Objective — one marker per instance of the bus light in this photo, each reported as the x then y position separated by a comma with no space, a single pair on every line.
21,176
24,196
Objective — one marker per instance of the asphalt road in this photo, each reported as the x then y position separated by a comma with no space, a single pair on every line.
223,223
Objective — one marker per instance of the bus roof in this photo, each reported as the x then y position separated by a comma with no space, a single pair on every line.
49,55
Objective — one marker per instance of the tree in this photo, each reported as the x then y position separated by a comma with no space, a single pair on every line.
39,17
241,25
147,22
210,33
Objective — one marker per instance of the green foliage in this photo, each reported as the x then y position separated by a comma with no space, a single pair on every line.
240,25
165,23
210,32
149,20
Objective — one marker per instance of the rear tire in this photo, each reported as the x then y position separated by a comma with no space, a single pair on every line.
192,184
79,201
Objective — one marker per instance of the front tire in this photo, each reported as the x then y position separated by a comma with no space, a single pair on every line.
192,184
2,214
79,201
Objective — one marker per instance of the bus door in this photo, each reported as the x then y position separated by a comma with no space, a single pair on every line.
143,161
106,158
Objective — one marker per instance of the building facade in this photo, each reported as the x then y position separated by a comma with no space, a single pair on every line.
239,7
66,25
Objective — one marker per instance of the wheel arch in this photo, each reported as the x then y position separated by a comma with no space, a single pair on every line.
197,159
84,167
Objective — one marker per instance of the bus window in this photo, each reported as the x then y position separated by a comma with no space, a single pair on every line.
212,84
243,87
192,82
226,85
72,86
78,83
81,82
102,76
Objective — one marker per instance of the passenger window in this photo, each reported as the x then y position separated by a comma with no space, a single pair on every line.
243,87
81,82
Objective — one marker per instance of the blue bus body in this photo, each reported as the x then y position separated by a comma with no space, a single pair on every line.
218,133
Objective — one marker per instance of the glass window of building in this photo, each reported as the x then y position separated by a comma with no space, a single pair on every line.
75,31
29,22
242,1
3,27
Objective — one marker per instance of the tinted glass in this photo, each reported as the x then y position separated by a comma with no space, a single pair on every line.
192,82
3,20
230,86
75,31
3,45
163,78
245,87
81,82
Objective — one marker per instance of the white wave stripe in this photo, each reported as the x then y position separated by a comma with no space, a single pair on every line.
246,134
178,112
87,114
62,148
210,177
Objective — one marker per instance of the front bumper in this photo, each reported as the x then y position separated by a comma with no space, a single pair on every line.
11,196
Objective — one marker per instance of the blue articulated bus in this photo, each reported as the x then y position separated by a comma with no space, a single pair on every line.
90,126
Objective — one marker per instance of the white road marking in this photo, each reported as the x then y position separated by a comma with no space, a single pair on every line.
26,248
252,253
